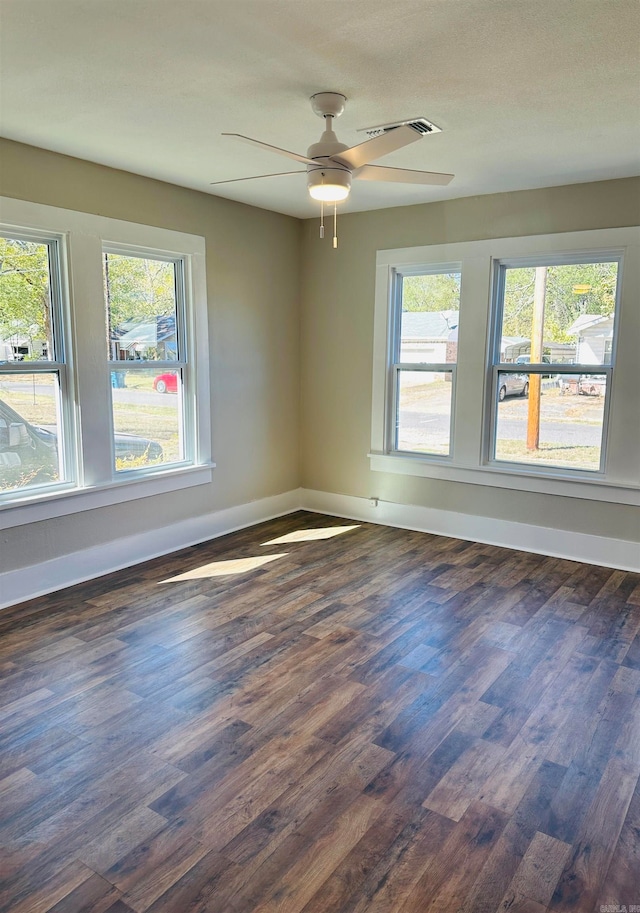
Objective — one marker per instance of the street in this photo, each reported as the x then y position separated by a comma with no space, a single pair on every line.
120,395
565,421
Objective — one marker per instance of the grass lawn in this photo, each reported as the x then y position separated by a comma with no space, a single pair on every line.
555,454
156,422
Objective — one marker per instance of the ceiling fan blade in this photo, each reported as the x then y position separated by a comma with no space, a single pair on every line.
375,148
401,175
257,142
255,177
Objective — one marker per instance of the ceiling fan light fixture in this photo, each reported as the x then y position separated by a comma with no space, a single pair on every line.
329,185
329,193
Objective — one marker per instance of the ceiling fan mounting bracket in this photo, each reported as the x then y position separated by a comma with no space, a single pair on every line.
328,104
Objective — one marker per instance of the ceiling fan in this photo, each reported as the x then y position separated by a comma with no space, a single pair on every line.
331,165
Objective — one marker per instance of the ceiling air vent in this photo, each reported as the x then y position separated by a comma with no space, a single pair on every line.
419,124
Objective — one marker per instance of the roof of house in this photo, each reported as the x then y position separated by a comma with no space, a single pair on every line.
430,324
145,332
590,321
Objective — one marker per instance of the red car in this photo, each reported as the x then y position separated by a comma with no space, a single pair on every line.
166,383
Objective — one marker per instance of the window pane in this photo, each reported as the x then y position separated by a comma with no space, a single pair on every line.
568,431
140,295
429,320
424,411
559,313
147,418
25,301
30,429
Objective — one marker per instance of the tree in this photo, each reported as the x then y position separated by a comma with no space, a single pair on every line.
572,289
25,300
138,288
437,292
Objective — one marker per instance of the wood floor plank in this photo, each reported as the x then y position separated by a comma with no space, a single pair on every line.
453,794
383,867
530,816
620,885
35,894
597,838
95,895
303,880
538,873
149,869
373,720
446,881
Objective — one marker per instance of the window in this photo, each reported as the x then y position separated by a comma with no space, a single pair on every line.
543,375
144,299
104,380
560,316
34,454
425,344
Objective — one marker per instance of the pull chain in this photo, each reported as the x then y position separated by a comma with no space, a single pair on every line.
335,225
322,218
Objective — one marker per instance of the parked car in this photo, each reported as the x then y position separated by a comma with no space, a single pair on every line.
166,383
28,455
512,384
526,360
31,451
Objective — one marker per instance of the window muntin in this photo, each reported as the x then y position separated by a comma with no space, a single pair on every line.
558,320
424,347
35,416
145,309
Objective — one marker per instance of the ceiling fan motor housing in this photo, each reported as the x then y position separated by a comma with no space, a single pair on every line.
333,175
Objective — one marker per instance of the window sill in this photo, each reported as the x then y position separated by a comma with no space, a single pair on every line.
591,489
37,507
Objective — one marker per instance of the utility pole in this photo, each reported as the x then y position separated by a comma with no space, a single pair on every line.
537,334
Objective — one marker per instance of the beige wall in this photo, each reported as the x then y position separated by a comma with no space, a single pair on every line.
253,292
337,344
291,335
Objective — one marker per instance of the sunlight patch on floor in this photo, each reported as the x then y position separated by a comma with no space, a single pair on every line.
310,535
224,568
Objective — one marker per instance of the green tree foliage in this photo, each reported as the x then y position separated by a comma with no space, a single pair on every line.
572,289
25,304
438,292
138,288
138,291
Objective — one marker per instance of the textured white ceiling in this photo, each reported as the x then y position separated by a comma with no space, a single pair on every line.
528,93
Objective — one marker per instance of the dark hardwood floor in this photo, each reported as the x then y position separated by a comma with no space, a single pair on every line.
369,720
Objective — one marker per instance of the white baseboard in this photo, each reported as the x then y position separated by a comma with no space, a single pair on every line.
48,576
558,543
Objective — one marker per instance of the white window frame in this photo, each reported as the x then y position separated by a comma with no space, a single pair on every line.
81,238
186,405
60,363
498,367
396,366
619,480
